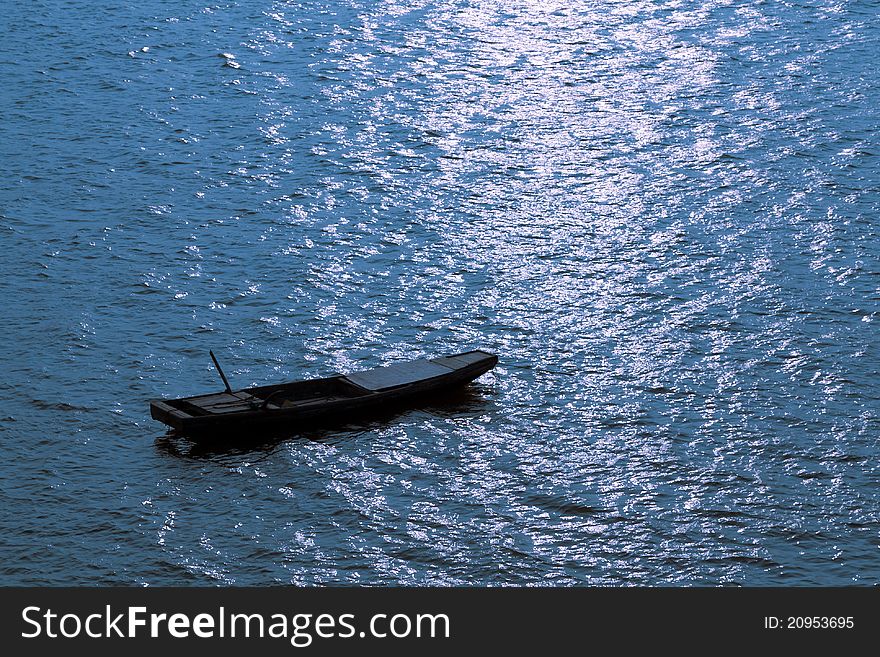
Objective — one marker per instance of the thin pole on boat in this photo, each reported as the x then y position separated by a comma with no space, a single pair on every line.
222,376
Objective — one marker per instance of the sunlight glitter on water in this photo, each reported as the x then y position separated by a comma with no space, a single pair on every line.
661,216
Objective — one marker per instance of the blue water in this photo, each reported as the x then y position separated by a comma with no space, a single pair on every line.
663,216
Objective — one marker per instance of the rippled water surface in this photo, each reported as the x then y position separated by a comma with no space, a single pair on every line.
663,216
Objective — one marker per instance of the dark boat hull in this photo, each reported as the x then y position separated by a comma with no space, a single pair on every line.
290,406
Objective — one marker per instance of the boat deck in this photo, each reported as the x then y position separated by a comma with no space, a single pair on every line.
399,374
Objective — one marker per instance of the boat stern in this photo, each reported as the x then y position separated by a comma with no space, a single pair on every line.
162,411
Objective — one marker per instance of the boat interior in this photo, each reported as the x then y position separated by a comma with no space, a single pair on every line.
299,393
304,392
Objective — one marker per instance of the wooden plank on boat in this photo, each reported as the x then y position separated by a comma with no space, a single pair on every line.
461,360
397,374
224,402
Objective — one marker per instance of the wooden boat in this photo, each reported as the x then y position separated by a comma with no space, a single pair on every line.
290,405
